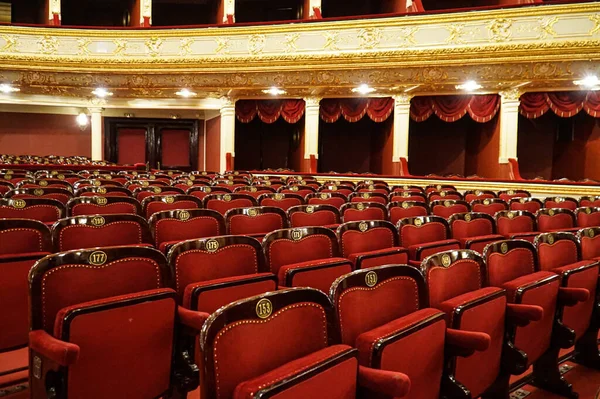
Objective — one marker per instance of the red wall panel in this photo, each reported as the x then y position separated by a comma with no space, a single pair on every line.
43,134
131,146
175,147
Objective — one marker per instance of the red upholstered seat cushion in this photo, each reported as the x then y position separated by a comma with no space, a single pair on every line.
561,253
353,215
445,283
223,206
94,209
220,292
147,325
319,274
195,266
479,243
411,235
157,206
260,224
86,283
178,230
487,317
337,381
559,221
244,351
319,218
20,240
111,234
420,354
590,247
578,317
385,256
14,371
447,211
283,252
534,338
14,310
421,251
397,212
284,204
335,201
43,213
490,209
354,241
588,220
519,224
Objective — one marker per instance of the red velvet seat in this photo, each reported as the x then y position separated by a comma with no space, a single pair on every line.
448,207
337,188
103,206
355,211
517,225
561,253
474,230
100,231
443,195
371,243
204,174
488,205
300,190
158,203
224,202
281,200
409,188
254,191
105,191
42,209
373,188
507,195
142,193
555,219
99,318
281,338
256,221
22,243
457,285
401,196
314,215
438,187
587,217
404,209
95,182
305,257
384,313
323,198
171,227
589,239
424,236
202,191
60,194
186,183
135,184
368,196
590,201
472,195
44,183
561,202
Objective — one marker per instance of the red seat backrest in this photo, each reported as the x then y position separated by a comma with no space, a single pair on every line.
357,237
556,250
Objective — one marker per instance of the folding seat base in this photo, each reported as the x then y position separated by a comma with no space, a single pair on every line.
547,376
14,375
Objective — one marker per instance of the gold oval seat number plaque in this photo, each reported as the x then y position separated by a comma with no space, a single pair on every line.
98,221
97,258
264,308
371,279
212,245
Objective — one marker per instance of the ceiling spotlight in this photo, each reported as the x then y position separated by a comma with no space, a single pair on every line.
274,91
363,89
82,120
469,85
102,92
185,93
588,81
128,115
7,89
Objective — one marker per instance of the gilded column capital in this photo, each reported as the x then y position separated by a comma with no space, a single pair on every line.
402,99
513,94
312,102
95,110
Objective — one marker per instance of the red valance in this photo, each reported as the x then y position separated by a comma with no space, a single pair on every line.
354,109
564,104
481,108
269,111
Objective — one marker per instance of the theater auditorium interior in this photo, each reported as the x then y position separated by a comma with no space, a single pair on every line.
299,199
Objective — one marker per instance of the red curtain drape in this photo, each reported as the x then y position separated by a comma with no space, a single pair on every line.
481,108
564,104
354,109
269,111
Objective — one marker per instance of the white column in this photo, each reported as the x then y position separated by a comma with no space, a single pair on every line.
312,5
311,127
509,124
401,124
96,133
228,10
145,13
227,131
54,11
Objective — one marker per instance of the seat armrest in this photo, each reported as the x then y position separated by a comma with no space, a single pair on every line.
572,296
60,352
420,251
465,343
192,319
522,315
389,383
318,273
470,241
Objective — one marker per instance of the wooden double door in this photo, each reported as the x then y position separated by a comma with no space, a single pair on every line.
160,143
